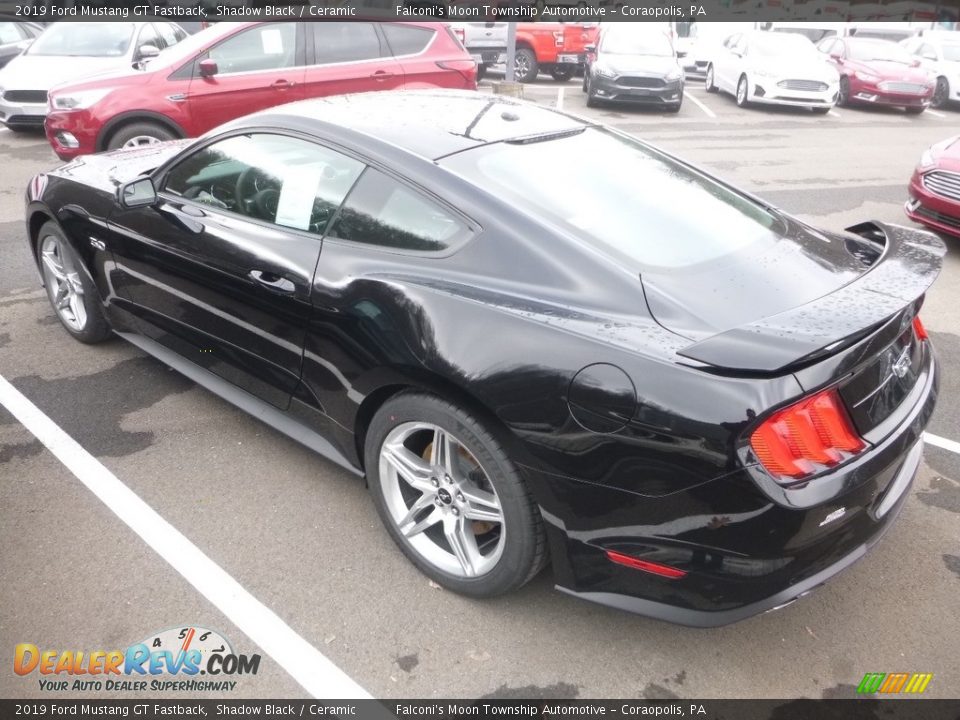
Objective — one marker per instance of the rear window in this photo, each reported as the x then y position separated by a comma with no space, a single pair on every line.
406,40
624,197
66,39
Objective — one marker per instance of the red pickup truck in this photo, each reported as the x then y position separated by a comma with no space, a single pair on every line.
551,47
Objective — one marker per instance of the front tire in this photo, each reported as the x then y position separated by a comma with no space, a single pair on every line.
708,80
451,497
941,96
139,134
743,92
525,66
843,95
592,100
72,294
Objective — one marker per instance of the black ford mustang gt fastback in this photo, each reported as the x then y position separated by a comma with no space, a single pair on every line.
539,339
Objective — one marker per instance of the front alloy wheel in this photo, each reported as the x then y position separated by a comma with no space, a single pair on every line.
451,497
742,91
63,283
942,94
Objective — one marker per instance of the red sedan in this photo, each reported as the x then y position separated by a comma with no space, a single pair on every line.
232,69
935,188
878,72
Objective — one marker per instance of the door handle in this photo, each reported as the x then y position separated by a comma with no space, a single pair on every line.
273,281
381,75
282,85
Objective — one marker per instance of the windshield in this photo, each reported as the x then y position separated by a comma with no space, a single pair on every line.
620,42
951,52
780,45
867,50
814,34
626,198
84,39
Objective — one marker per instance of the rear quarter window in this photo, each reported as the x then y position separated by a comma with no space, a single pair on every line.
405,40
383,212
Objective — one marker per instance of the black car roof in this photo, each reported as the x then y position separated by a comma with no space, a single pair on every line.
431,123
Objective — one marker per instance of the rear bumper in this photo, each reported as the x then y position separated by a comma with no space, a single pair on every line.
743,552
934,211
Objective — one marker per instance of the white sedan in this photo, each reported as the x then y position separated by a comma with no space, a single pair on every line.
939,53
774,69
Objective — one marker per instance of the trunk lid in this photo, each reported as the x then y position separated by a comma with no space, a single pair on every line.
799,300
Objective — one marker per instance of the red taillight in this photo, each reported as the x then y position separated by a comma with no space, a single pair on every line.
461,35
805,437
919,329
645,565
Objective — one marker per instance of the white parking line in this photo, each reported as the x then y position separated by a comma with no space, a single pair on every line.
940,442
834,113
560,97
706,110
307,665
935,113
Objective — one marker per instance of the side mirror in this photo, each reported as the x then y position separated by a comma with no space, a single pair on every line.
208,67
137,193
147,52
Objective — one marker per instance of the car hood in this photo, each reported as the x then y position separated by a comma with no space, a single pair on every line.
765,311
649,64
42,72
947,155
105,171
893,71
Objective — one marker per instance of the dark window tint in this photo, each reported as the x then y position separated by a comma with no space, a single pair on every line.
381,211
337,42
406,40
263,47
625,197
280,179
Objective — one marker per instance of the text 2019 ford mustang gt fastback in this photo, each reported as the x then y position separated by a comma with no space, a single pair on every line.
690,404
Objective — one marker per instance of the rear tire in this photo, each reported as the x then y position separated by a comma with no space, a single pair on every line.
592,100
72,294
743,92
525,66
941,96
445,538
562,73
139,134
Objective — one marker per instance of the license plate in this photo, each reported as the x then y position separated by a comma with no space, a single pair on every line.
568,58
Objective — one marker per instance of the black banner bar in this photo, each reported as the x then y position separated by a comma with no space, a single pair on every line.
537,709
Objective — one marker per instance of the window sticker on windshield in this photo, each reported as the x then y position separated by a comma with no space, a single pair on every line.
272,41
300,186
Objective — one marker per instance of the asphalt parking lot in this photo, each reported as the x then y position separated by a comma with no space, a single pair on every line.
301,536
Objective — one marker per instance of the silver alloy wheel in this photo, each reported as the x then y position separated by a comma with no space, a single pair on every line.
63,283
708,80
441,499
521,66
742,91
140,141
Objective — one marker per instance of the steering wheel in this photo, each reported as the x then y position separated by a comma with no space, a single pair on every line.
258,202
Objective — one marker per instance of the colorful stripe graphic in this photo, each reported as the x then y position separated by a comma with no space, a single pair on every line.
914,683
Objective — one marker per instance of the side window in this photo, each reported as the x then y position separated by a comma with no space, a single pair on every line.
407,40
927,52
168,34
337,42
381,211
284,180
262,47
148,36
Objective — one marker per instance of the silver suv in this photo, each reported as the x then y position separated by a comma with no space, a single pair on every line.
485,41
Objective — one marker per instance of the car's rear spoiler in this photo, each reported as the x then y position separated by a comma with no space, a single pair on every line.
909,264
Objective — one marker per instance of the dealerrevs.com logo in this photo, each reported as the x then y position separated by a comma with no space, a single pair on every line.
172,660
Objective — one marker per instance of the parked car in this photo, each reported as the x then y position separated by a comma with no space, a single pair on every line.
15,37
773,69
71,51
935,188
485,41
939,53
555,48
633,65
698,42
703,415
878,72
231,69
